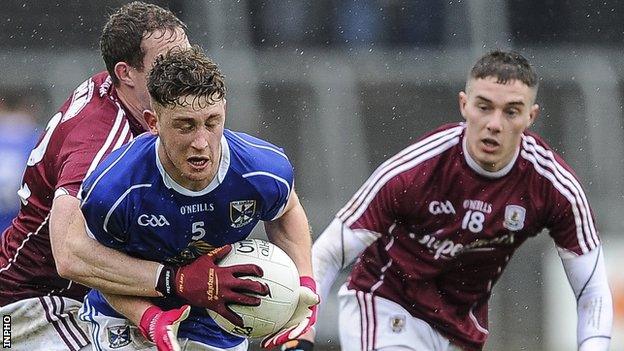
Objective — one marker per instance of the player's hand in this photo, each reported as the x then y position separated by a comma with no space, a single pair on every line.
161,327
298,345
203,283
302,319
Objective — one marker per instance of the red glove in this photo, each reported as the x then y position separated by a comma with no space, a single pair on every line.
203,283
161,327
302,319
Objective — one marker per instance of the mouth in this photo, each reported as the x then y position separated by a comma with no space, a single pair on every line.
490,145
198,162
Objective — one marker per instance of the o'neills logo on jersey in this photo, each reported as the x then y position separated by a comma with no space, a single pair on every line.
194,208
478,205
514,217
242,212
440,207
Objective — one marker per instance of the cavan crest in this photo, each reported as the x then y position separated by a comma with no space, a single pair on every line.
242,212
119,336
514,217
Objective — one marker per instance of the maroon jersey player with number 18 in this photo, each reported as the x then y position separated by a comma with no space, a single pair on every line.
434,226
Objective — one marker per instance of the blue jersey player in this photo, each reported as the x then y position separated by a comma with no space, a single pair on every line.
183,193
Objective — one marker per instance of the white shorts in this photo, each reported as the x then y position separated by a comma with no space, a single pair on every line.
118,334
369,323
45,323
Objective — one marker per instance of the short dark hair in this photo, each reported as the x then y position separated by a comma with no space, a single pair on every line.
125,29
185,72
505,66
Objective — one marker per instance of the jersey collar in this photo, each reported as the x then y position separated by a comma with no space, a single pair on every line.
488,174
224,165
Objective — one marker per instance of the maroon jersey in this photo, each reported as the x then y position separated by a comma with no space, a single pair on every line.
89,125
448,228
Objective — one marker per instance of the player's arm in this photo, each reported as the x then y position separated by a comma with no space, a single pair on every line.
587,276
291,232
334,250
339,245
84,260
572,227
156,325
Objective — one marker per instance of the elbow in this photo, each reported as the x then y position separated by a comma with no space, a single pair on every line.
67,259
64,266
64,270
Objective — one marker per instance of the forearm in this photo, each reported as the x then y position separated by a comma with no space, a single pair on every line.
335,249
588,279
291,233
131,307
84,260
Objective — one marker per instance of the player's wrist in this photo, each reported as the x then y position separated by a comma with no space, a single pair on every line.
148,322
165,283
308,282
298,345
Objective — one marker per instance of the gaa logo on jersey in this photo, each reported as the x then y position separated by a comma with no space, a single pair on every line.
118,336
242,212
514,217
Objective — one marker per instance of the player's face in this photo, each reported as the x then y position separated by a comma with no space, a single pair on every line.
155,44
496,116
191,142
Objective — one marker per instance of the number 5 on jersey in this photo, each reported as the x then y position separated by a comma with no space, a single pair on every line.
198,230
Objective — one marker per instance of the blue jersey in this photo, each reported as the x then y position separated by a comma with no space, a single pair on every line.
132,205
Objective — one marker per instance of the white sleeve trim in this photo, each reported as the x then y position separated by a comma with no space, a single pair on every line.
335,249
62,192
158,270
588,279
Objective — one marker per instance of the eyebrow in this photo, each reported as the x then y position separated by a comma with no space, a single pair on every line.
181,118
185,118
521,103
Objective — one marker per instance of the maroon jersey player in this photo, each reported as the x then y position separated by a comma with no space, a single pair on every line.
45,253
434,226
90,124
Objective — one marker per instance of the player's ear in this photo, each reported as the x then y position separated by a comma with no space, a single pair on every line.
151,120
463,100
122,71
533,114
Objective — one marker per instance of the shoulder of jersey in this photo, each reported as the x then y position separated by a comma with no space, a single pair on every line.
129,165
91,105
249,154
535,149
534,138
445,128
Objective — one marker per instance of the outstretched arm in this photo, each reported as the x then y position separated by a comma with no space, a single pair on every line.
86,261
588,278
334,250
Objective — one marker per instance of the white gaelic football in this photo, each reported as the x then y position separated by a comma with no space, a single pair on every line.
282,277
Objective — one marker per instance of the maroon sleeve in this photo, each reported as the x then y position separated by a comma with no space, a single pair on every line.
571,221
86,146
377,205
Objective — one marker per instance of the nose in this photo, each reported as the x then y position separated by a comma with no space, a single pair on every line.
495,122
200,141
